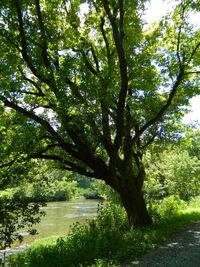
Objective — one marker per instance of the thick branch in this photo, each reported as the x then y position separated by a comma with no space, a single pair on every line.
150,141
43,35
24,44
106,141
193,53
89,65
105,38
85,155
164,108
72,166
47,148
95,59
118,38
31,93
192,72
121,12
178,46
68,147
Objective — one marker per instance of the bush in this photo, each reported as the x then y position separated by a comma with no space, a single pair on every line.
89,193
16,214
171,172
102,242
100,238
194,202
166,207
54,191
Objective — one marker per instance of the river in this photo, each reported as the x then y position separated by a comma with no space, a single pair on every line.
57,221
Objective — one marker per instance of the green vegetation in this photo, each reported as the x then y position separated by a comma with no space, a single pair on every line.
20,205
53,185
16,214
171,171
88,86
87,187
56,191
106,240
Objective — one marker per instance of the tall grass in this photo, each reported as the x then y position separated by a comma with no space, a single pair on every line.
104,241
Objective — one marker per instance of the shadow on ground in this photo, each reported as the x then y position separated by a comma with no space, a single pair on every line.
181,250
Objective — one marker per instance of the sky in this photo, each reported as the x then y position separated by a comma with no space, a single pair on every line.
154,12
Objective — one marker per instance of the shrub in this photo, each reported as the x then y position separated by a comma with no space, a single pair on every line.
89,193
100,238
171,172
166,207
102,242
194,202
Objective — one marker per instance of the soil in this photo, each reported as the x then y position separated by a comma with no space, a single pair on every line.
180,250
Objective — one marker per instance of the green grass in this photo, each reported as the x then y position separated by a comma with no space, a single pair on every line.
103,242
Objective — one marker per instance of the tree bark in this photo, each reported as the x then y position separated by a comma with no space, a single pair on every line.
133,201
135,207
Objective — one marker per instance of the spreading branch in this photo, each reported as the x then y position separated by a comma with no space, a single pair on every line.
83,154
24,45
68,165
191,72
105,39
40,92
43,36
68,147
8,164
118,38
163,109
193,53
178,47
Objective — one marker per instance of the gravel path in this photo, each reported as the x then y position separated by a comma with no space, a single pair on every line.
181,250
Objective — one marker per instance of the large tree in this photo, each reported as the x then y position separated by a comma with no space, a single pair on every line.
92,85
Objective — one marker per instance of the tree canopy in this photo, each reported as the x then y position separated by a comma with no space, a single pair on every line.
88,85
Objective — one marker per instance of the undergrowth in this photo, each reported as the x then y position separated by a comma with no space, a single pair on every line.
104,241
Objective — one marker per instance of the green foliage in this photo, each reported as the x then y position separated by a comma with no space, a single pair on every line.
89,89
191,142
43,192
172,171
108,193
15,214
89,193
55,191
99,238
166,207
102,242
194,202
83,182
104,263
87,187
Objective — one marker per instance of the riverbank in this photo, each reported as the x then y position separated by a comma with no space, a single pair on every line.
57,222
103,242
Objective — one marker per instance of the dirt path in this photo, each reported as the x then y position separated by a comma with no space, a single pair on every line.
181,250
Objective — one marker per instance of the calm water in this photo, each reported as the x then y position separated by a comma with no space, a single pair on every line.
59,216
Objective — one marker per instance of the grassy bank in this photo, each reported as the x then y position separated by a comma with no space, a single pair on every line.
104,241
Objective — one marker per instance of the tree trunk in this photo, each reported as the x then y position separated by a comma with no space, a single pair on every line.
134,204
135,207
